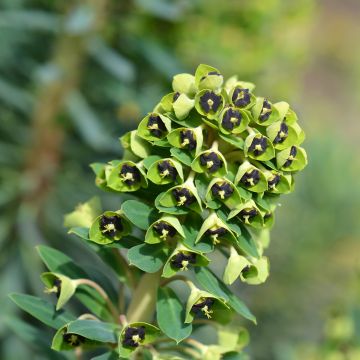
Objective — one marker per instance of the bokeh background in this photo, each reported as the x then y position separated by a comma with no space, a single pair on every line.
75,75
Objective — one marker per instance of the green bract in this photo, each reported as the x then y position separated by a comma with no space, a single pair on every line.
202,173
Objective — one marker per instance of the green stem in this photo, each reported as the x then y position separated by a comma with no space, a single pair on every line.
142,306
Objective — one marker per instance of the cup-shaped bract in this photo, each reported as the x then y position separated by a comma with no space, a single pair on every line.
248,213
203,305
211,162
154,127
256,272
183,259
222,191
241,96
125,176
209,103
167,228
134,335
264,112
190,139
208,77
233,121
184,84
259,147
165,171
62,286
251,178
293,158
109,227
214,230
183,196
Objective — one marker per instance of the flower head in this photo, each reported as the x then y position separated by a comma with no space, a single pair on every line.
203,307
265,111
164,230
156,126
111,225
282,134
211,161
241,97
210,102
73,339
183,196
187,139
133,336
182,260
222,190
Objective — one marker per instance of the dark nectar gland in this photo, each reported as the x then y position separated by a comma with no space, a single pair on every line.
222,190
111,225
183,196
156,126
210,102
182,260
133,336
211,161
130,174
165,230
203,307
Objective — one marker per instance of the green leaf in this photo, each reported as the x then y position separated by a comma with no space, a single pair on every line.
171,314
33,336
111,355
149,258
181,155
215,286
94,330
140,214
42,310
238,142
247,243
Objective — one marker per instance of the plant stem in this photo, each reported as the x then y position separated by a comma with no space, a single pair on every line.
142,306
103,294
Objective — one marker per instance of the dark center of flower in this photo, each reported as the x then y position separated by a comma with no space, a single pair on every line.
282,134
246,270
215,233
111,225
133,336
156,126
251,178
265,111
176,96
267,216
130,174
211,161
73,339
182,260
210,73
241,97
187,139
274,181
167,170
203,307
222,190
164,230
247,214
231,119
57,286
258,146
183,196
210,102
292,155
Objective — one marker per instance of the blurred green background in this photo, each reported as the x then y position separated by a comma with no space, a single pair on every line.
75,75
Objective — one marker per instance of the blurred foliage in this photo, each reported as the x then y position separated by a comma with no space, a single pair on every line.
122,55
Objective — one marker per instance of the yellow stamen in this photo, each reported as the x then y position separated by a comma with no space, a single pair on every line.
233,119
54,289
164,234
127,176
153,127
207,312
185,142
258,147
209,164
210,103
222,194
182,200
165,173
136,339
184,264
109,227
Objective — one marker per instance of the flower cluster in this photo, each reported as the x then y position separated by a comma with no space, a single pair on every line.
204,171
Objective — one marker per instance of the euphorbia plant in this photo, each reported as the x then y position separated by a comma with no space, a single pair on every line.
204,171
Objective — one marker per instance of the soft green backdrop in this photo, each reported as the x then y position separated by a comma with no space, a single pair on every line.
75,75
